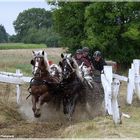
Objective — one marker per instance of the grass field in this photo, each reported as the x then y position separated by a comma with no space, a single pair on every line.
6,46
12,59
13,123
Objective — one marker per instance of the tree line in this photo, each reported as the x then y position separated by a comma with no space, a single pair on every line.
111,27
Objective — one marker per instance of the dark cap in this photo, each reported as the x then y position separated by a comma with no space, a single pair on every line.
97,54
85,49
79,51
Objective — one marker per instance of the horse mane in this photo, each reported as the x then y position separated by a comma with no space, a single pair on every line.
76,67
46,61
78,73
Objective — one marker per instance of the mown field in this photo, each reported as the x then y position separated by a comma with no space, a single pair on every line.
18,56
16,124
6,46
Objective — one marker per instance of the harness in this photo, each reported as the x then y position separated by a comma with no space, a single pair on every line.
49,83
34,82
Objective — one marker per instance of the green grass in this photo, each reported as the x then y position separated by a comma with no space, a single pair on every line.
6,46
25,68
12,59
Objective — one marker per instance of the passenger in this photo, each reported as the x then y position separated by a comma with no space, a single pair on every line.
78,56
86,59
98,61
98,64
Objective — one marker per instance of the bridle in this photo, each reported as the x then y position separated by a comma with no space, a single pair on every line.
71,70
37,68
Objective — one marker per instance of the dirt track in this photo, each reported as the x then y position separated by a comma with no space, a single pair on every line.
53,124
18,121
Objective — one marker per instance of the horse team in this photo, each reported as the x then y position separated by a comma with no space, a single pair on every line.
66,84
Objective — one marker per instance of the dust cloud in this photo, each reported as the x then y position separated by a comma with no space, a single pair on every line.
49,113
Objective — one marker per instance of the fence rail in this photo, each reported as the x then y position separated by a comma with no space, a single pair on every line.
15,78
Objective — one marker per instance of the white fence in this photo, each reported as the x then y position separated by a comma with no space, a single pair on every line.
134,81
111,85
110,82
15,78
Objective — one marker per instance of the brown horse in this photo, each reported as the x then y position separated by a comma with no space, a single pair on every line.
43,85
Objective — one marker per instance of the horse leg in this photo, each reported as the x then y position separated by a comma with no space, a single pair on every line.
72,106
34,104
58,103
65,104
39,105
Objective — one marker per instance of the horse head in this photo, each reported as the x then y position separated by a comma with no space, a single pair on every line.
67,66
87,76
55,71
85,71
40,63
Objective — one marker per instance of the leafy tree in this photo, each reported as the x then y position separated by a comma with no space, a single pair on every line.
13,38
35,36
35,26
3,35
31,20
69,23
114,28
52,38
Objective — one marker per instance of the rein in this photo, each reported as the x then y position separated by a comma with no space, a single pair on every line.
35,81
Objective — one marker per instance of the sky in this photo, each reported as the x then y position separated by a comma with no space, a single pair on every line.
10,9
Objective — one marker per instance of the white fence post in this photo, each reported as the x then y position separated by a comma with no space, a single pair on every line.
106,82
111,86
18,87
115,106
134,81
18,91
130,85
137,77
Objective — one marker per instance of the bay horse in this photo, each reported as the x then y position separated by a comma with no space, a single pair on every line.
43,85
72,84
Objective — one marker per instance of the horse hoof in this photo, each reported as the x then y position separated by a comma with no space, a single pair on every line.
65,111
37,115
68,117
